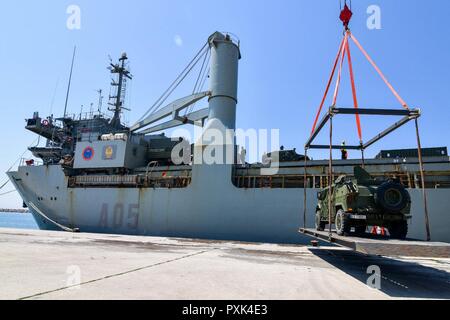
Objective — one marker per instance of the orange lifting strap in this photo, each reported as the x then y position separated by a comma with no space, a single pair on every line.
344,49
328,87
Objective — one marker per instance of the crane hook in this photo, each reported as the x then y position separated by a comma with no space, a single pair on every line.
346,16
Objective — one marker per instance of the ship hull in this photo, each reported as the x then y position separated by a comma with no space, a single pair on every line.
206,209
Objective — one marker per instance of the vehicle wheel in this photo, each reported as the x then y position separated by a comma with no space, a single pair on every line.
320,225
398,230
392,197
360,230
342,224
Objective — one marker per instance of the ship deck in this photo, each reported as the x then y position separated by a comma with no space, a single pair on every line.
46,265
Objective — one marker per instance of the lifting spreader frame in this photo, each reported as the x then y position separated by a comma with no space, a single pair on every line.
407,114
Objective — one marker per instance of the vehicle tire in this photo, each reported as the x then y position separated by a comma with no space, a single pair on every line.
342,224
320,225
360,230
398,230
392,197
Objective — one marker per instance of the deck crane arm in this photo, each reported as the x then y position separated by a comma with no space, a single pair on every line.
195,118
173,109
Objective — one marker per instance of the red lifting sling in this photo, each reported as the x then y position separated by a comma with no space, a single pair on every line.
344,49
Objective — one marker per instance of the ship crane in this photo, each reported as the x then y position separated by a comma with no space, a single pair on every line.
173,112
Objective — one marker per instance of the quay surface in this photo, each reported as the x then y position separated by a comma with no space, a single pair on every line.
57,265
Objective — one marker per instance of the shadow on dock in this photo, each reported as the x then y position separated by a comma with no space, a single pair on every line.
399,279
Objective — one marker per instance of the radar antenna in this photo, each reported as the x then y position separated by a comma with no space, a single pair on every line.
100,100
117,101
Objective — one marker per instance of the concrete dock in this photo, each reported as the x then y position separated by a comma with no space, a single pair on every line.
58,265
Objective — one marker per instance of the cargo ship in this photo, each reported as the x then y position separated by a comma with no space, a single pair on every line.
97,175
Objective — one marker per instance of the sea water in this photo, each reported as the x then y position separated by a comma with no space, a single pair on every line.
17,220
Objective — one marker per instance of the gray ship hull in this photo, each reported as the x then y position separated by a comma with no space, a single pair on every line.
209,208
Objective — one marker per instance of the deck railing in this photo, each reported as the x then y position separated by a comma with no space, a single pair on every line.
410,180
129,181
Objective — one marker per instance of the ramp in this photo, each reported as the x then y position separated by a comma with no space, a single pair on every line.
383,246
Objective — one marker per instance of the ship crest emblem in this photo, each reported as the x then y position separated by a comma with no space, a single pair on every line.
109,152
88,153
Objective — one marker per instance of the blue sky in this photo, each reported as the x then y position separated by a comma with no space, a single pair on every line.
287,52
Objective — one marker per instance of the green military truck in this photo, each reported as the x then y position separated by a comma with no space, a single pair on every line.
364,201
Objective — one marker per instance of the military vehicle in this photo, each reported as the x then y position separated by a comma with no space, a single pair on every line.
365,201
287,155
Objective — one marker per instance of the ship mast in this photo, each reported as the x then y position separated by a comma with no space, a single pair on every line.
118,100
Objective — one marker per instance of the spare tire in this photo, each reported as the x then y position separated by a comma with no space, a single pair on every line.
392,197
